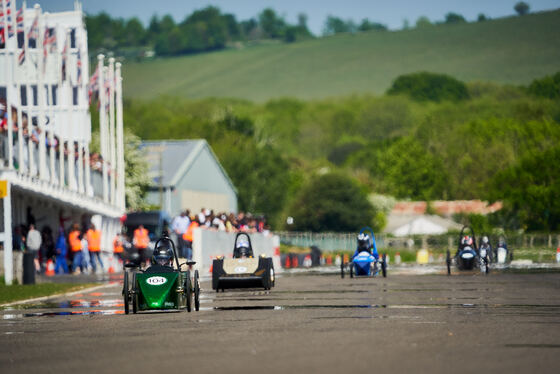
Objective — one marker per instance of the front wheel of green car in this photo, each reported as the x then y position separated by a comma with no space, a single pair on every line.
188,289
125,293
196,291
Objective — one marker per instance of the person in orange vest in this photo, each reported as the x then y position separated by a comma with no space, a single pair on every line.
141,240
93,237
188,237
118,247
75,240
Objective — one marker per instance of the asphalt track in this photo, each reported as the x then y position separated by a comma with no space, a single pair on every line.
309,323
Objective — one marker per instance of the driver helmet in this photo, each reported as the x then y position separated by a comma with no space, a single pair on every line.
467,240
163,254
243,248
363,242
485,239
501,242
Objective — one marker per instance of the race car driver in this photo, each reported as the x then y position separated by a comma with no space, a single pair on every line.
365,245
242,250
162,258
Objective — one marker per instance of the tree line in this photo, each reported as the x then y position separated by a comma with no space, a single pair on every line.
210,29
430,137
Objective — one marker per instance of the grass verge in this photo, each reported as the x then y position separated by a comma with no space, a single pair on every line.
19,292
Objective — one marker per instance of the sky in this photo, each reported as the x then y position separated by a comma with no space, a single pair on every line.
389,12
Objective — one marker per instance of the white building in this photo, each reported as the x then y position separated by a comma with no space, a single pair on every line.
44,145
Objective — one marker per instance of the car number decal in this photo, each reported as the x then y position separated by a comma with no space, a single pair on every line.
240,269
156,281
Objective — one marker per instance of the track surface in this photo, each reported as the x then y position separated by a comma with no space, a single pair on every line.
316,323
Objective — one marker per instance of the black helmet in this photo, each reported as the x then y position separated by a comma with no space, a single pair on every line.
243,249
363,242
163,254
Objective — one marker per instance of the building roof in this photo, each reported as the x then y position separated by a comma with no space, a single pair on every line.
177,156
413,224
447,208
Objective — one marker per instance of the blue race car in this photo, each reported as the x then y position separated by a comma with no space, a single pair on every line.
365,262
468,256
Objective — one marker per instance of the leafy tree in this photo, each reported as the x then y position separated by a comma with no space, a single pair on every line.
452,18
522,8
336,25
134,32
423,22
332,202
548,87
482,17
411,172
366,25
429,86
531,189
261,176
273,25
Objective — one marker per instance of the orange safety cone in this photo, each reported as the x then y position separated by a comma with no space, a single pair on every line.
346,258
111,269
329,260
50,268
288,263
295,263
211,264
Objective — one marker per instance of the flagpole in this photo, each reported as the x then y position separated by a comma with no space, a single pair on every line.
41,96
120,140
71,137
21,163
112,128
102,129
8,83
30,104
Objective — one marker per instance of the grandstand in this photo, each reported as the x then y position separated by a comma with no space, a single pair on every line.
47,174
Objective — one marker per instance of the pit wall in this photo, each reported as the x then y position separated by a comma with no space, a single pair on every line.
208,244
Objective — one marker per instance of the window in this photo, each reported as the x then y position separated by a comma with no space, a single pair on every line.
54,89
23,94
20,40
35,98
73,38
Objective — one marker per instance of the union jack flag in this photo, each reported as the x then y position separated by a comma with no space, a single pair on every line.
21,57
93,84
33,33
64,58
19,20
9,18
79,67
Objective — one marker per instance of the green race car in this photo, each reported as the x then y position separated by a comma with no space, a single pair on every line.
161,286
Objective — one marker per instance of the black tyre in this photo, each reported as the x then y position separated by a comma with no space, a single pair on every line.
266,281
188,289
351,270
342,270
448,261
196,291
272,274
217,270
384,266
487,265
125,293
134,295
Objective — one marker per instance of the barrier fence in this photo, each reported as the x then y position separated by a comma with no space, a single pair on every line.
332,242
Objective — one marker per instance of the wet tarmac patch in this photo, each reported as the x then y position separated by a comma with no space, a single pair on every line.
532,345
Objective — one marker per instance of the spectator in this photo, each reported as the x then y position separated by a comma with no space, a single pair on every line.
61,250
75,240
140,242
180,225
94,246
118,247
18,239
34,244
47,246
188,236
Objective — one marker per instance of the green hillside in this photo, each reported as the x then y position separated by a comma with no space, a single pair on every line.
510,50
